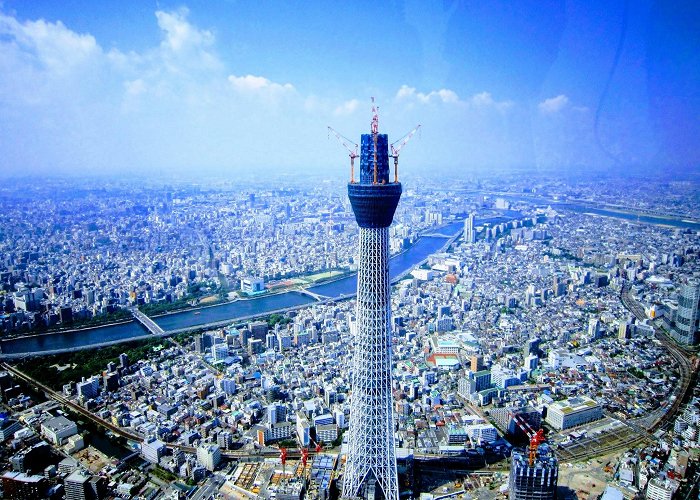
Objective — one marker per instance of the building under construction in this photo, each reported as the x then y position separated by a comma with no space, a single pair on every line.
533,476
370,470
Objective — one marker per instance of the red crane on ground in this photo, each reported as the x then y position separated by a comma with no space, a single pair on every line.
396,149
283,458
536,437
352,152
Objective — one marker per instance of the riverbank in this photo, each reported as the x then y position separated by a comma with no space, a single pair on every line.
583,206
68,330
219,315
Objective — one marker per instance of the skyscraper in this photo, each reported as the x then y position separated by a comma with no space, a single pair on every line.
686,326
469,232
370,470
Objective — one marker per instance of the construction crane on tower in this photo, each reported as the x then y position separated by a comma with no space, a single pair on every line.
536,437
372,149
396,149
352,152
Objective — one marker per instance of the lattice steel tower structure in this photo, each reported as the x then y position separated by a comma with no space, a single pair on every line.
370,470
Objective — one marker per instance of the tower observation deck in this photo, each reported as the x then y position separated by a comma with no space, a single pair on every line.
370,470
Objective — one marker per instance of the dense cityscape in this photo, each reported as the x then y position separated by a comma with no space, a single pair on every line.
526,304
349,250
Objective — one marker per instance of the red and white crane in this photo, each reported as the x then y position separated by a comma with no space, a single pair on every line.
352,152
283,459
396,149
536,437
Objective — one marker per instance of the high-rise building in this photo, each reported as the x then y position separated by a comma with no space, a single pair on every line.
624,330
202,342
276,413
687,326
594,328
258,330
469,230
18,485
77,486
370,470
209,455
536,480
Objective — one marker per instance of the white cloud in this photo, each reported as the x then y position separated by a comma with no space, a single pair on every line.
410,93
553,104
486,100
447,96
347,108
259,85
67,103
179,33
135,87
52,45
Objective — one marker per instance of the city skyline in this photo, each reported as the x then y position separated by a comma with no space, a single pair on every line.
557,309
172,88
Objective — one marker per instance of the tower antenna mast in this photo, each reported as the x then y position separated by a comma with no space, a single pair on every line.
375,132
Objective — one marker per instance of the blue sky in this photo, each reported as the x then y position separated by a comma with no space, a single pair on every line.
217,86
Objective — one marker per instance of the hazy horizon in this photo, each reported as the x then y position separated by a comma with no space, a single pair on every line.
216,88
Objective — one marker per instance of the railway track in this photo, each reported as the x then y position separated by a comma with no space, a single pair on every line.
641,430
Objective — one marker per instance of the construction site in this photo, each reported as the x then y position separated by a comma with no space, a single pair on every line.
286,479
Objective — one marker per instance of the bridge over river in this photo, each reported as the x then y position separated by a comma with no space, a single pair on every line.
147,322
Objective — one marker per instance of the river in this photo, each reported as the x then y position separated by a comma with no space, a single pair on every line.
424,247
582,207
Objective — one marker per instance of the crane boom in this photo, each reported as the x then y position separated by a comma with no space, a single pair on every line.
396,149
536,437
351,152
402,142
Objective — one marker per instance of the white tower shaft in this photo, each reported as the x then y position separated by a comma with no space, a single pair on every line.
372,456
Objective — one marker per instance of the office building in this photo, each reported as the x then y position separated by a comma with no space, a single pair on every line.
88,389
252,284
469,229
8,427
686,329
58,429
152,449
572,412
209,456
